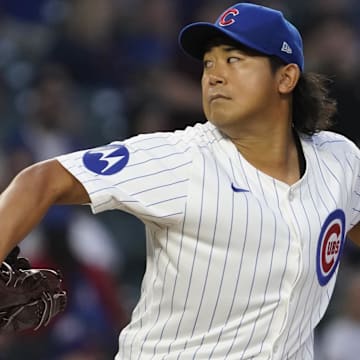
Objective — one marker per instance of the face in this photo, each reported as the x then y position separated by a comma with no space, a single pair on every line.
238,87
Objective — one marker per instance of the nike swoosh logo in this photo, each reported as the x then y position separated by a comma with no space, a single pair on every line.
236,189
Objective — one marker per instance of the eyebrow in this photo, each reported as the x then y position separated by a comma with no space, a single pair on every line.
229,48
239,48
229,44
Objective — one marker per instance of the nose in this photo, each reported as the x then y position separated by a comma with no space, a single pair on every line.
216,78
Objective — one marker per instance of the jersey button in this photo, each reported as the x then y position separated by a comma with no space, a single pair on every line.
291,195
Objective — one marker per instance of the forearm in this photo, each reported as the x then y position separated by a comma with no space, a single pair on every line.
22,206
29,196
354,234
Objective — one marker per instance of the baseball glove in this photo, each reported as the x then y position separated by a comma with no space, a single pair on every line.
29,298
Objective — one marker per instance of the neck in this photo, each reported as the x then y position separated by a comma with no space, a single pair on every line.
272,151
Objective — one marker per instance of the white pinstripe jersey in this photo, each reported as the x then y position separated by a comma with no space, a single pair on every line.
239,264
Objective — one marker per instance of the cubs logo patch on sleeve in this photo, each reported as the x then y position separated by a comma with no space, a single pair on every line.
106,160
330,244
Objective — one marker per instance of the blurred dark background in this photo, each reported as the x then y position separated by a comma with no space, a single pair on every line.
80,73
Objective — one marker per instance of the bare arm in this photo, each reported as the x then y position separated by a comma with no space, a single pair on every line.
354,234
28,197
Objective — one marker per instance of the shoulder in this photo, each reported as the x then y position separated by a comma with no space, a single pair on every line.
332,140
335,143
334,152
199,135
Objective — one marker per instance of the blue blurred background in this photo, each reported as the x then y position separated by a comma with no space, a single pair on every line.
80,73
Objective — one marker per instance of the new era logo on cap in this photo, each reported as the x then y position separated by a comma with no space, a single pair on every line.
286,48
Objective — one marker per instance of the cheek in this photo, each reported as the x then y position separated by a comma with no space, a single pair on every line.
247,83
205,104
260,83
252,95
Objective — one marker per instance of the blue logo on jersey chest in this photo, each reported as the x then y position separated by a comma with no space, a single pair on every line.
107,160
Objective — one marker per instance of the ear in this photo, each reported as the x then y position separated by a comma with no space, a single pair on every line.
288,78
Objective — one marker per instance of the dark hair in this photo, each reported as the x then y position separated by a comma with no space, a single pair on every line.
313,107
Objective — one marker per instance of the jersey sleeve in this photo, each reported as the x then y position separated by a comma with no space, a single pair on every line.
146,176
352,161
348,154
355,219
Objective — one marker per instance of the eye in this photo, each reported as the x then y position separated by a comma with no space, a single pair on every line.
207,64
233,59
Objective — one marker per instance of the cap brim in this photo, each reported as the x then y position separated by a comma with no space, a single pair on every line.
194,38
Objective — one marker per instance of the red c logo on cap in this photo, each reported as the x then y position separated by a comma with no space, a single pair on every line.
226,22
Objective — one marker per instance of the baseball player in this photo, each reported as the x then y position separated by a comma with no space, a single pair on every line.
246,215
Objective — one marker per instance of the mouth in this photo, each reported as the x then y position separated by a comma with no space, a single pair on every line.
216,97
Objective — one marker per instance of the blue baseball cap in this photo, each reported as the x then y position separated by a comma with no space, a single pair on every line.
258,27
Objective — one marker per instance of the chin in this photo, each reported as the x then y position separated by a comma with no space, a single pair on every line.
221,122
228,128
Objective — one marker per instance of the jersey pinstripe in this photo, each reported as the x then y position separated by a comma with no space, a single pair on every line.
235,261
